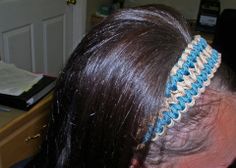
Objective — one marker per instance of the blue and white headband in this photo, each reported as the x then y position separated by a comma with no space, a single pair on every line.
187,80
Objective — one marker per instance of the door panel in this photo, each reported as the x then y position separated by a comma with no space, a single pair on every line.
18,41
36,35
54,44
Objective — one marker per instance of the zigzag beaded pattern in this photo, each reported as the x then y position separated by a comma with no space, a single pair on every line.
188,79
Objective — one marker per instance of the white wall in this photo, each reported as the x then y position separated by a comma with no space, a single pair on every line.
189,8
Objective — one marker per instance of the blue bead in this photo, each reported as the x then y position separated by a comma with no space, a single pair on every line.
174,108
159,126
160,129
177,107
194,87
199,84
203,41
165,120
174,115
188,96
162,122
204,77
148,134
195,59
185,66
200,79
174,112
174,87
211,63
206,69
181,103
179,76
167,91
192,92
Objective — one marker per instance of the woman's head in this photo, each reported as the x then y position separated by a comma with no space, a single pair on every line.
112,88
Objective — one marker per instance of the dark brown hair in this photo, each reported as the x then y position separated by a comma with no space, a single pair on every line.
111,88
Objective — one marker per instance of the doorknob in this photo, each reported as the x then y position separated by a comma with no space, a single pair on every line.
73,2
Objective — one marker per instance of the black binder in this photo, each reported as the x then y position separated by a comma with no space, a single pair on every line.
27,99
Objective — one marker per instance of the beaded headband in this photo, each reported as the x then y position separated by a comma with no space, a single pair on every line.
188,79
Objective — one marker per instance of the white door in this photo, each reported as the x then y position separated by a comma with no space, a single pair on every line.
39,35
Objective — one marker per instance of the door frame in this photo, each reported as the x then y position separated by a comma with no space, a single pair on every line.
79,23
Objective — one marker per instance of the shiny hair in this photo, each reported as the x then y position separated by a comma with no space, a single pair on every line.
110,89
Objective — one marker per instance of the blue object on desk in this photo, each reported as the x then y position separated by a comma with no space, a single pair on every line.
22,163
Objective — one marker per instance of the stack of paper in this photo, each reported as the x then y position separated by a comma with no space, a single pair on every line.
15,81
22,89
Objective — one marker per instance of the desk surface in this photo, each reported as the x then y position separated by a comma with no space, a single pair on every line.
7,116
21,132
10,120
